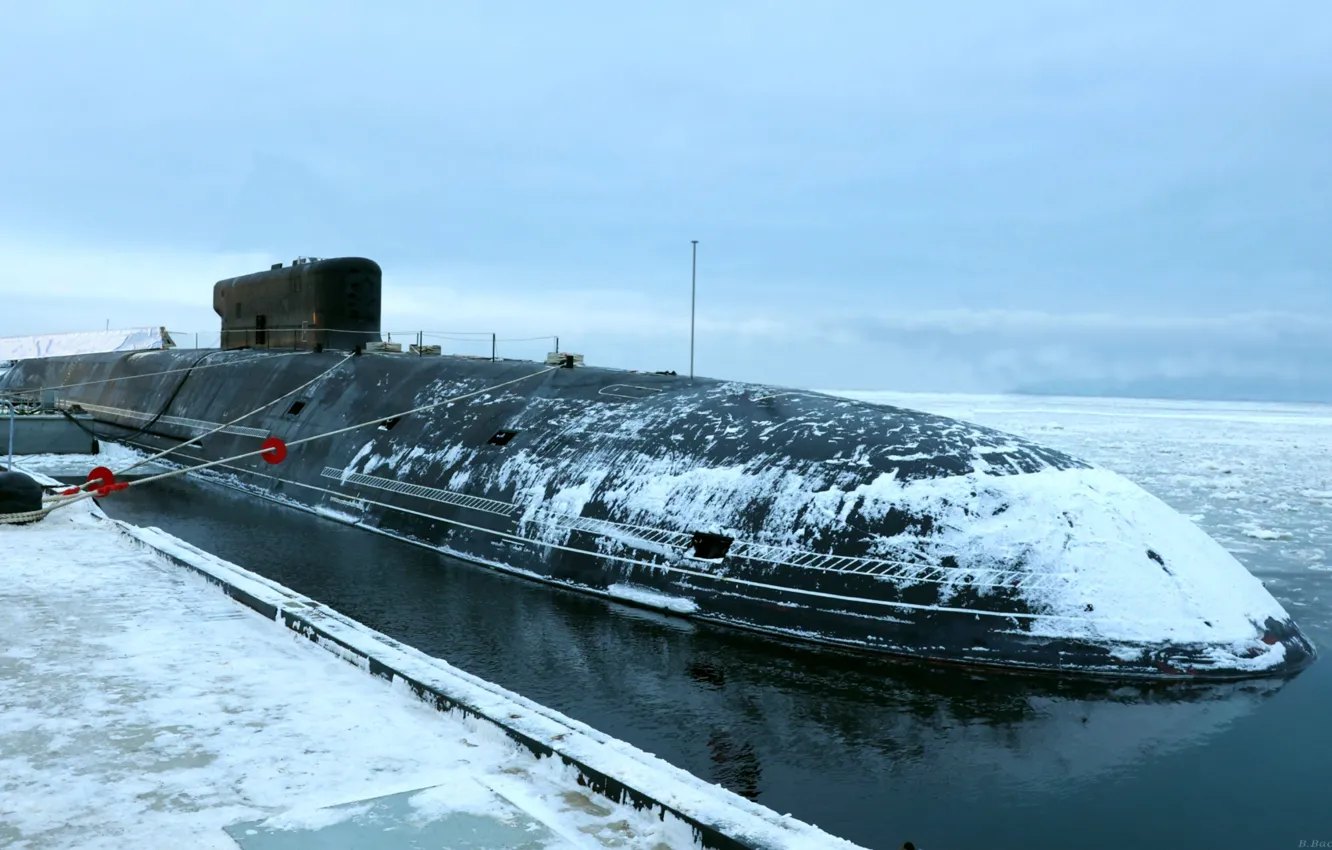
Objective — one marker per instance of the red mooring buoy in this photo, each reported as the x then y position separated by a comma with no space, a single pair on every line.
107,478
274,457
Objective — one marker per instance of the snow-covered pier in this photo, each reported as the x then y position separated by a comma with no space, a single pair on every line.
154,695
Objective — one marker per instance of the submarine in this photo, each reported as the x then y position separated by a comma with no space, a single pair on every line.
796,514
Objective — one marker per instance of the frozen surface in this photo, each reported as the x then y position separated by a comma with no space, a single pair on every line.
410,818
87,342
137,700
729,813
1256,477
138,703
652,599
112,455
1195,592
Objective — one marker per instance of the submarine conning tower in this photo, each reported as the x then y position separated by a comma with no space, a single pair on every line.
312,303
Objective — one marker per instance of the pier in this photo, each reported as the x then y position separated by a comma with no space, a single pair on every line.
35,429
154,693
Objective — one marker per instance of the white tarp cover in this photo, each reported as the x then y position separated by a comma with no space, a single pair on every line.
88,342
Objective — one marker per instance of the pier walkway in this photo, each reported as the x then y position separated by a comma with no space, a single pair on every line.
143,705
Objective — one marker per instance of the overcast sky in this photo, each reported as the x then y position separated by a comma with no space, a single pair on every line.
944,196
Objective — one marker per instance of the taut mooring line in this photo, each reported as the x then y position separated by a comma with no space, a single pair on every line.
273,451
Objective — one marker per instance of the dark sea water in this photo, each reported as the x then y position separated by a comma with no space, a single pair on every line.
881,752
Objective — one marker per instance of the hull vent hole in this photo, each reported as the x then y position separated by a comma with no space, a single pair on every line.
387,424
711,547
296,408
502,438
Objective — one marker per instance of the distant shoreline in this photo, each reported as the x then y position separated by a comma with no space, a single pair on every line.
1279,393
1088,396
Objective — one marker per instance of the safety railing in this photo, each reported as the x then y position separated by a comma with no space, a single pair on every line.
419,343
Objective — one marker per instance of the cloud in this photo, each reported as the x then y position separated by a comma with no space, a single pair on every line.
495,300
798,338
962,322
52,287
906,197
52,269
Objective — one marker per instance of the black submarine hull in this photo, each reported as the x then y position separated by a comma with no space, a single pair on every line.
797,514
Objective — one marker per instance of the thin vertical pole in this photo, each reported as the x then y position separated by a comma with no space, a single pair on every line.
557,345
693,301
10,467
492,348
196,339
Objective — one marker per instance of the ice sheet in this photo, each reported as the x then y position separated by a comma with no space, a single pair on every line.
85,342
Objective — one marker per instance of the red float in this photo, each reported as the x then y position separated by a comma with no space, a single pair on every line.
106,476
280,451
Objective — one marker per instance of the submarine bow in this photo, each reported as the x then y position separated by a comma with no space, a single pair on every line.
975,545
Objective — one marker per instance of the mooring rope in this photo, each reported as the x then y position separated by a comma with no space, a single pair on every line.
316,379
69,497
422,408
93,484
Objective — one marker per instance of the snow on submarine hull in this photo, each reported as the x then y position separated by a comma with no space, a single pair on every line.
793,513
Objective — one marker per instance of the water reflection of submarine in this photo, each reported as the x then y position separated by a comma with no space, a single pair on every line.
657,617
964,735
735,761
955,731
707,673
735,764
